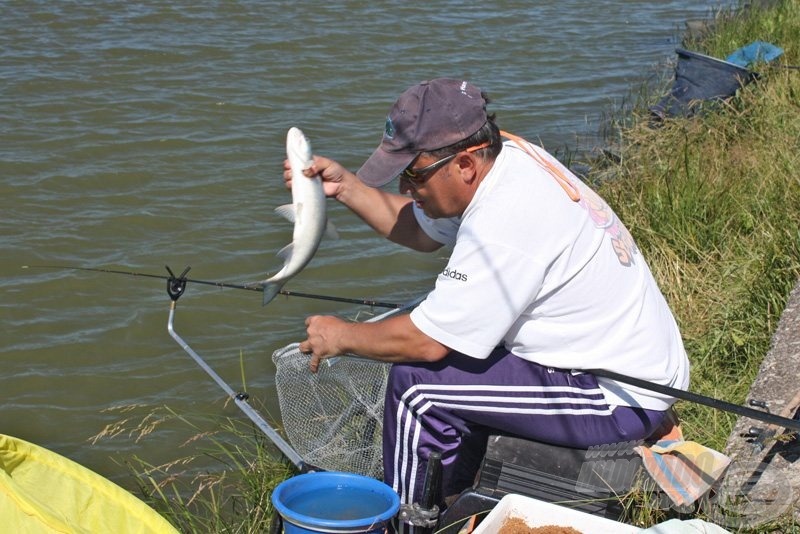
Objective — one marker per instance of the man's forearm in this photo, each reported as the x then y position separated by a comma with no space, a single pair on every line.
389,214
394,340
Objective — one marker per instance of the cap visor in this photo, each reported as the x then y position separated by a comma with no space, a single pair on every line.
382,167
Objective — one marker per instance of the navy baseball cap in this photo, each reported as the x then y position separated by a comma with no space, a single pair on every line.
428,116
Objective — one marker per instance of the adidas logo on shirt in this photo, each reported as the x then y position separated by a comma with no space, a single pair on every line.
455,275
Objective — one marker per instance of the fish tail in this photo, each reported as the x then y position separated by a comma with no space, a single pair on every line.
271,290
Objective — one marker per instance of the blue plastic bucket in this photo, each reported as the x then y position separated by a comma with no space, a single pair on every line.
334,502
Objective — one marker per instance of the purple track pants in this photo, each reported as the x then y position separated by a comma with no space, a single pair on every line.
452,405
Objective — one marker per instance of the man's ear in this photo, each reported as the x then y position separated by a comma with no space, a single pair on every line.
467,166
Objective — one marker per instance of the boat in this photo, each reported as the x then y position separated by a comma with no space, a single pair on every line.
43,492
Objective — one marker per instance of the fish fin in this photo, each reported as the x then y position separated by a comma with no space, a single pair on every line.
330,230
286,211
286,251
271,290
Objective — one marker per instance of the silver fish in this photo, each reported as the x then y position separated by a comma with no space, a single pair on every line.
307,212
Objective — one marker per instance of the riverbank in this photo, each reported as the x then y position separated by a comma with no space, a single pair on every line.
712,202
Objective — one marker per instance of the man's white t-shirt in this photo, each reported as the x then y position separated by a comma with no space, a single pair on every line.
557,282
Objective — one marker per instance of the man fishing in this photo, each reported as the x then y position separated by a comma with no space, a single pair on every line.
542,282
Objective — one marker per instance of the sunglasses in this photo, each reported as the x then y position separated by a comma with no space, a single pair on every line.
417,177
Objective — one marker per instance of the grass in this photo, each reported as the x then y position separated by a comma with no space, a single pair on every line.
234,498
712,202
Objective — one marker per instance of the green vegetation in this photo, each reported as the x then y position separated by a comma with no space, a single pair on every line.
712,202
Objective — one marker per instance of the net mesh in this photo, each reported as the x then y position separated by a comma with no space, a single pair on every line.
333,418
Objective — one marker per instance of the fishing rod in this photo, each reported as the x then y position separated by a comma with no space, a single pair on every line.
258,288
766,417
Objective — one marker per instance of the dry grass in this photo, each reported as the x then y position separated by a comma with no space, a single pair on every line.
233,498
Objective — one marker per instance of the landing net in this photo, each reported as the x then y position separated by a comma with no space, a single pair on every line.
333,418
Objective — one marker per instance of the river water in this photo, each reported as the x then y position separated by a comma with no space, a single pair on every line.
135,135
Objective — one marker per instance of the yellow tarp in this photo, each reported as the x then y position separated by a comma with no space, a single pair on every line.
42,493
